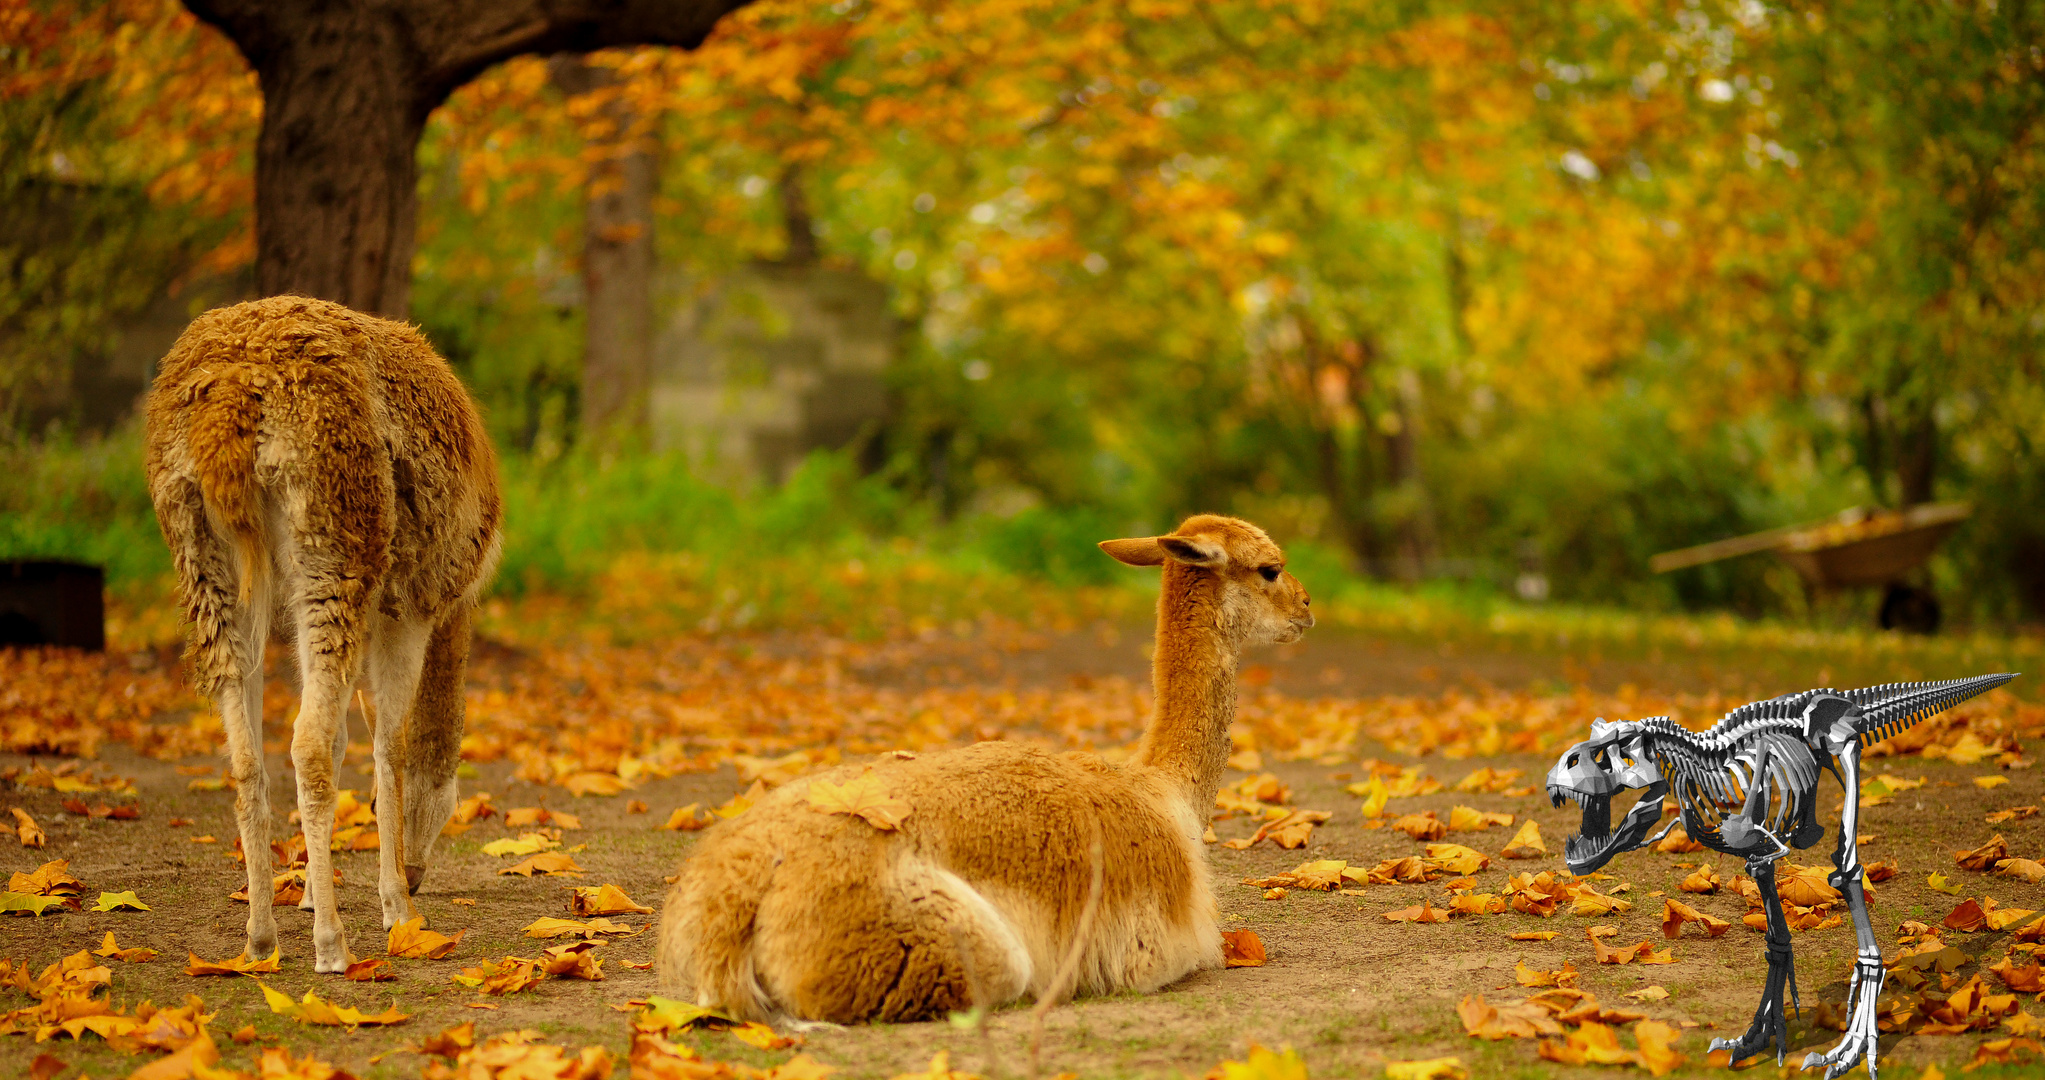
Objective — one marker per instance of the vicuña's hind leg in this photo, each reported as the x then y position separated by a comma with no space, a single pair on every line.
435,742
330,630
910,945
395,657
241,714
340,758
226,655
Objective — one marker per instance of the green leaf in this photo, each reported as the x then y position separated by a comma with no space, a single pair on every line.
24,903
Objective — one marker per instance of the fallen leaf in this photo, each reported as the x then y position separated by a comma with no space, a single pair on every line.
2014,813
1424,912
761,1037
1984,857
550,862
1442,1068
526,844
594,783
240,965
2027,979
2028,869
411,940
604,900
108,948
1422,826
1456,859
573,961
1526,844
1534,935
26,830
1242,948
1471,819
374,969
1535,978
1704,880
1515,1020
1938,883
312,1009
498,977
1649,993
1374,795
120,901
1675,913
1988,783
684,819
30,904
1677,842
1966,918
865,796
463,901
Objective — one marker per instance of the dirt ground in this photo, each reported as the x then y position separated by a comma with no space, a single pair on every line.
1346,988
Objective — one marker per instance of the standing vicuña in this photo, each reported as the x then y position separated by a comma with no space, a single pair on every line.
326,466
786,912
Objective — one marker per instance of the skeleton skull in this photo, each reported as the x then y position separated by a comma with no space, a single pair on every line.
1589,774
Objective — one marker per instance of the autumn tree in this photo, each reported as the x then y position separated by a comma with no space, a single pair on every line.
347,88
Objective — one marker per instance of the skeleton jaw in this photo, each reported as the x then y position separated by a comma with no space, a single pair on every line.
1596,841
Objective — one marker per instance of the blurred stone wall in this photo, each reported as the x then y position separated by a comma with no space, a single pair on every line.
771,363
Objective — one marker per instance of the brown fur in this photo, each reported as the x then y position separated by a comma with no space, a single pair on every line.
326,467
787,912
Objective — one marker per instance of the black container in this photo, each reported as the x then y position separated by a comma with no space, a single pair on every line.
52,602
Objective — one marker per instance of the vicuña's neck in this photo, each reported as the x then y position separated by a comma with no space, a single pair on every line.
1193,676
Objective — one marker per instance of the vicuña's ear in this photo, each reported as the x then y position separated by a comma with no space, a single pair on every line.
1145,551
1193,550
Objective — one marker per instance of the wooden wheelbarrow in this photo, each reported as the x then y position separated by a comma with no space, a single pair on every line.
1855,548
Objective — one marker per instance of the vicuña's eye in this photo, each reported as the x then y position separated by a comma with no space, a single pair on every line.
1270,572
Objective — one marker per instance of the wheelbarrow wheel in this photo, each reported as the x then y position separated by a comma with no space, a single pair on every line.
1909,609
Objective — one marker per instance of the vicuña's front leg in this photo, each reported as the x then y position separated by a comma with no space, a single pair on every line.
1868,973
1771,1024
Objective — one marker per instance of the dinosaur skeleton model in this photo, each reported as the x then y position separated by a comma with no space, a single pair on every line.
1749,787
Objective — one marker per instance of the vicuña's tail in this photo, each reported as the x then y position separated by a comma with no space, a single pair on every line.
1894,707
221,438
707,928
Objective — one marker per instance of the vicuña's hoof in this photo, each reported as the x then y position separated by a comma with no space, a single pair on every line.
413,876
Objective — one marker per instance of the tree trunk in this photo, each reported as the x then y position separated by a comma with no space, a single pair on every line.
796,220
347,86
336,169
1917,457
617,261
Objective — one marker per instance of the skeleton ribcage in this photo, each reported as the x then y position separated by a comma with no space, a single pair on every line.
1710,788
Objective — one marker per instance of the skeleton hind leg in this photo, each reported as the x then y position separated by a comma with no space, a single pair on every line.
1771,1024
1862,1033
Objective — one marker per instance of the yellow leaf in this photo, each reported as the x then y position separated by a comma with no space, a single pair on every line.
762,1037
1441,1068
1938,883
1374,796
684,820
594,783
1526,843
240,965
313,1009
131,956
863,797
526,844
411,939
605,900
1987,782
120,901
26,829
551,862
1262,1064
